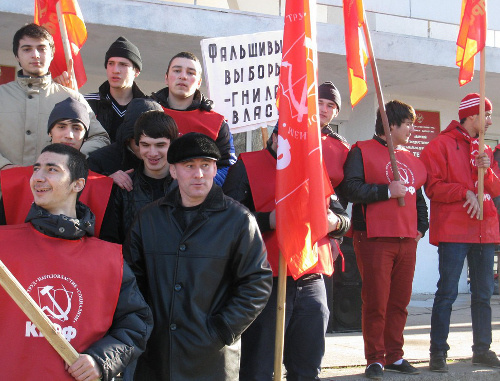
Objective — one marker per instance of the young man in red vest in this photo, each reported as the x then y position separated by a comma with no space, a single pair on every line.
192,112
68,124
452,163
335,147
386,235
80,282
251,181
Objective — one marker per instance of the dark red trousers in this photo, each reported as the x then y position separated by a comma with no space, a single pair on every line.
386,266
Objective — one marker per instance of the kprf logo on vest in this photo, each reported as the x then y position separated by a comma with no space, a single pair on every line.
405,175
60,299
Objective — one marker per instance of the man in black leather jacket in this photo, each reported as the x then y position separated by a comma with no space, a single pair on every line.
201,263
91,296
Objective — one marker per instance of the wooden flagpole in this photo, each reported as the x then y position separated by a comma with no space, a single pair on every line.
381,106
280,319
36,315
66,46
482,119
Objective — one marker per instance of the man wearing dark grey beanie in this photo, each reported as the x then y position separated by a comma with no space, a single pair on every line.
123,64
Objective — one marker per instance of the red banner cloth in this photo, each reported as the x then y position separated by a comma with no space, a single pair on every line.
46,16
471,37
301,182
355,47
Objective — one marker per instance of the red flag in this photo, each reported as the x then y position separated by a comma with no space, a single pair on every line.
471,37
46,15
300,179
355,47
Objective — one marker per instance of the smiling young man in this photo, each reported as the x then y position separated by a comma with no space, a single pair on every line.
28,101
68,124
452,163
385,235
201,263
192,112
123,65
154,131
80,282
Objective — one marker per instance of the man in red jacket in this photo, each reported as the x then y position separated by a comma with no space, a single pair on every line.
452,163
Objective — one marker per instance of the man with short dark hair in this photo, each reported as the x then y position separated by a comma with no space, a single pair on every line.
28,101
154,131
385,235
68,124
452,163
201,263
80,282
192,112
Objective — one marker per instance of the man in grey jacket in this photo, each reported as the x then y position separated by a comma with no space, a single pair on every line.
28,101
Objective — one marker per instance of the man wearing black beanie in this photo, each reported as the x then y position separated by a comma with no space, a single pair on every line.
335,147
123,64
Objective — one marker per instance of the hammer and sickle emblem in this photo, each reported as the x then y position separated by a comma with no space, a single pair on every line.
59,313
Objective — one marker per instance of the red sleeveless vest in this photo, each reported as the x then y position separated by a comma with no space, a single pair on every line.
205,122
75,282
261,171
17,196
387,218
334,155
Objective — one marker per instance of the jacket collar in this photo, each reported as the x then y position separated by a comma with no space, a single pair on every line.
199,100
214,202
62,226
34,83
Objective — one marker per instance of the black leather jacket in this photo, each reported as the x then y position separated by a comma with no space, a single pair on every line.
205,284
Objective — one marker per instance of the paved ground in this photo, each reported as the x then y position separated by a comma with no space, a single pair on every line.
344,358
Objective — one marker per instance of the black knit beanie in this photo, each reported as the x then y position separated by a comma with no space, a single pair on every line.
124,48
328,91
69,109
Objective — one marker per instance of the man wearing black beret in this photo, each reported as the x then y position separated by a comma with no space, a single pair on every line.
201,264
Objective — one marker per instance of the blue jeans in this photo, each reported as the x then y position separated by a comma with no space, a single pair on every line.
306,320
451,261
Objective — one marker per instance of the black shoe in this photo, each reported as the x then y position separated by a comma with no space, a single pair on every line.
488,358
437,362
374,372
405,367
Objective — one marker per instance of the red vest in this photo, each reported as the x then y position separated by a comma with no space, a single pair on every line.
387,218
334,155
205,122
261,171
17,196
75,282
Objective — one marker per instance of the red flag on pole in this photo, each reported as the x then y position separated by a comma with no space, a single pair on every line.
355,47
471,37
300,179
46,16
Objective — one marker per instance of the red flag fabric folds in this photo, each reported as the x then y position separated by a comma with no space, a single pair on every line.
300,179
355,46
46,15
471,37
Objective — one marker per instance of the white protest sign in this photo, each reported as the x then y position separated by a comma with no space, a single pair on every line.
242,75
